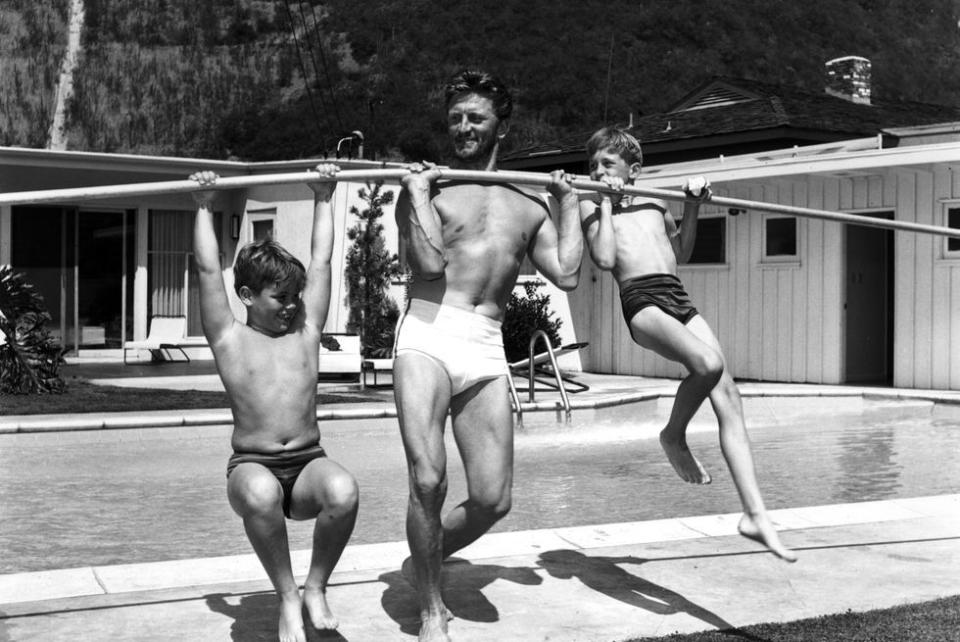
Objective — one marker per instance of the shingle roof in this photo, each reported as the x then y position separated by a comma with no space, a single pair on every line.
735,105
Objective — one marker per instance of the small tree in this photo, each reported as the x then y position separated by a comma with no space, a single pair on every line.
523,316
30,358
370,268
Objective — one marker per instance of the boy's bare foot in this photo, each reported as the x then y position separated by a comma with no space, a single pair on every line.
321,616
760,530
291,619
682,460
433,627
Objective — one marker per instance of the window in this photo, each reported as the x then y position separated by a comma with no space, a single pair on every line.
172,272
780,238
710,245
952,245
262,225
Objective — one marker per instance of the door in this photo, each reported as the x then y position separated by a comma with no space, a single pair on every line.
869,304
81,262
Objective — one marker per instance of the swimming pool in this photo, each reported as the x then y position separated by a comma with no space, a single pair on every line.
108,497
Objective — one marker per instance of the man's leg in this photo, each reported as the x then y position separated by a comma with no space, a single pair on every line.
256,496
483,428
422,393
735,445
655,330
325,491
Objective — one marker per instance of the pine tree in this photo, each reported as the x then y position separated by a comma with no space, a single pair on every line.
370,268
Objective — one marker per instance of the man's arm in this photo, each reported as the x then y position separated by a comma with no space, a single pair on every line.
419,223
696,188
215,314
316,290
558,251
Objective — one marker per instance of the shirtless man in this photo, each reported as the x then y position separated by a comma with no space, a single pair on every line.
638,240
465,243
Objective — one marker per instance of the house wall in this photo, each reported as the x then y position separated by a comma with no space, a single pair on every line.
785,322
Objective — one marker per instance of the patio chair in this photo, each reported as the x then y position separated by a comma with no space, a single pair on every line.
166,334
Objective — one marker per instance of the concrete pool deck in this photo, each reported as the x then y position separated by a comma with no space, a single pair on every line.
590,583
593,583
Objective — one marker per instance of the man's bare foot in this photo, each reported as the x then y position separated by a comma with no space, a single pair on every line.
682,460
433,627
760,530
291,619
406,570
321,616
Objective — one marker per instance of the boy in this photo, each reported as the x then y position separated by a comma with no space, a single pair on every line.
638,240
269,370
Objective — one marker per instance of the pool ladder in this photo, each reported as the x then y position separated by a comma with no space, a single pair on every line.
531,368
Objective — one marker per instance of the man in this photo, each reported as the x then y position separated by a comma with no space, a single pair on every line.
465,243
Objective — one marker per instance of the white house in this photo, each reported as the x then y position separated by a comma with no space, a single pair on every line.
107,266
807,300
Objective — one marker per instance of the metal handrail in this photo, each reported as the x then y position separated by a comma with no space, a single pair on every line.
556,370
516,400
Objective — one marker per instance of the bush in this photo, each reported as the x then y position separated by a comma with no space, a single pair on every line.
30,359
525,315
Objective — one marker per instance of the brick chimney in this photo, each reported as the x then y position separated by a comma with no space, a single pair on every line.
849,78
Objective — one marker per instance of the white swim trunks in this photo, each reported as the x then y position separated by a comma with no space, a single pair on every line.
469,346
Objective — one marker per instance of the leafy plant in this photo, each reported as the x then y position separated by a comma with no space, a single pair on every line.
523,316
30,358
370,268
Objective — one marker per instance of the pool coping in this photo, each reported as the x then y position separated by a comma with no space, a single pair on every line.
22,424
26,593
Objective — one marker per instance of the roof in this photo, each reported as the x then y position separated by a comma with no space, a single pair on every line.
727,106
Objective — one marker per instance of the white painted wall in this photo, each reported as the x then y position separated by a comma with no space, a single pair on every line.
785,322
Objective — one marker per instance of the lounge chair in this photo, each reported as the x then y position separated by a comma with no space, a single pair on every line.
166,334
543,370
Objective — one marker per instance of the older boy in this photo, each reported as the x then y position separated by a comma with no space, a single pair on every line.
269,369
638,240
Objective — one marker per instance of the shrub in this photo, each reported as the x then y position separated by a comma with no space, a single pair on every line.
30,358
523,316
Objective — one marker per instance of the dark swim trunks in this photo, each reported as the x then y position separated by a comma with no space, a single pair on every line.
285,466
664,291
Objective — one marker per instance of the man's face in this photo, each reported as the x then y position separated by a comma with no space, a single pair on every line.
473,127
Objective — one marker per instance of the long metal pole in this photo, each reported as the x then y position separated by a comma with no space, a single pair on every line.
394,175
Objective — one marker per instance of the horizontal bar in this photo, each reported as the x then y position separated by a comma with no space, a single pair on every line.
394,175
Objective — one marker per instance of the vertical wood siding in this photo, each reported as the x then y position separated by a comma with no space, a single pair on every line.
785,322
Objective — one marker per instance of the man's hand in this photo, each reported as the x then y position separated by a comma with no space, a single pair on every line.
324,189
560,184
204,198
421,178
697,187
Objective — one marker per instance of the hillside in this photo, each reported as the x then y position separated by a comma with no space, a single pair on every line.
264,80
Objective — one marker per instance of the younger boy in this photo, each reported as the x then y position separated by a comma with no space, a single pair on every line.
638,240
269,370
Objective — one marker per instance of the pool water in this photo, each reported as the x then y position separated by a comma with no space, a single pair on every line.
109,497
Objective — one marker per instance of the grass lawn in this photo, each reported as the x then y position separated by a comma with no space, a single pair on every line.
936,621
82,396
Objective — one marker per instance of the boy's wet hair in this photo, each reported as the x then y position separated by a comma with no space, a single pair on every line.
265,263
473,81
618,140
